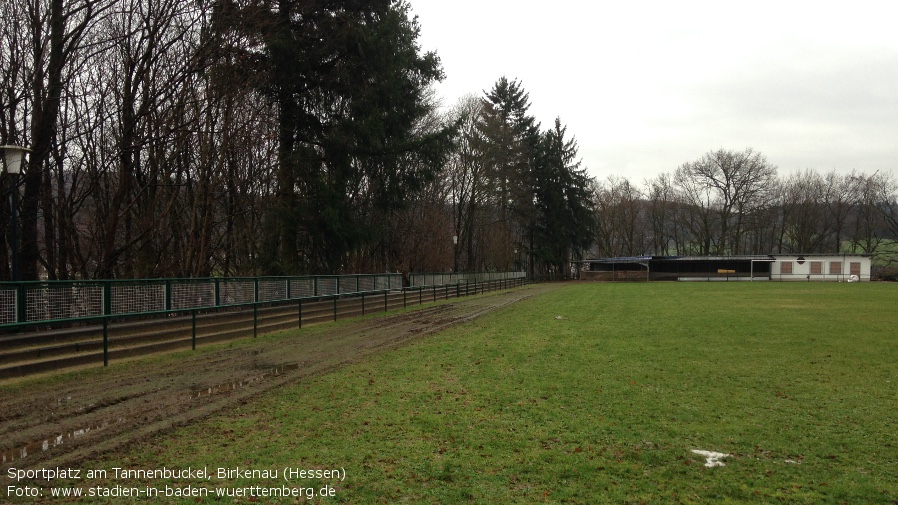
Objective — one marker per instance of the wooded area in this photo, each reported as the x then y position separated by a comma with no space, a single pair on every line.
729,202
237,137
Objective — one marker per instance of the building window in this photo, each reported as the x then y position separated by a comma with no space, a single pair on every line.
786,267
855,268
816,267
835,267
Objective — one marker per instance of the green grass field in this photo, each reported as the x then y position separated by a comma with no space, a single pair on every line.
593,393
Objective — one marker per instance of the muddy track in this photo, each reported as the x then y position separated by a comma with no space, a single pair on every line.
45,422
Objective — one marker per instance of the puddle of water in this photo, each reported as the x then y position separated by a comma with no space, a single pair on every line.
237,384
48,443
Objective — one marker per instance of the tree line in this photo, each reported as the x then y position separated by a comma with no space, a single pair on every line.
273,137
731,202
236,137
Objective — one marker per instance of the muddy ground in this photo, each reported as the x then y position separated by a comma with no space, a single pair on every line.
59,421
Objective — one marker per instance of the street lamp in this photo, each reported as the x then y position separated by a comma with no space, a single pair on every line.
455,254
12,156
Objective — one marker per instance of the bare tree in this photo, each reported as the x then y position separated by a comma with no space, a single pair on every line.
696,214
660,195
889,206
732,184
806,228
620,211
468,181
869,227
39,67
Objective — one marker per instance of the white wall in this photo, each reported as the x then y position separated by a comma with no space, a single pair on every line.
802,272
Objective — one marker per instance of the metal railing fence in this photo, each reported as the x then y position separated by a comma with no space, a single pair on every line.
51,302
24,353
439,279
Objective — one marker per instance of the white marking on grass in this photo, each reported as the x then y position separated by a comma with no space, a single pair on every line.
712,458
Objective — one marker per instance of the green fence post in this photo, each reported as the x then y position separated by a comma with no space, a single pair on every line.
107,298
335,302
105,341
217,302
21,304
386,307
255,319
300,313
167,294
193,328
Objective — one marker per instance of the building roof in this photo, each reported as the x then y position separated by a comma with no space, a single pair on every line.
741,257
625,259
827,255
639,259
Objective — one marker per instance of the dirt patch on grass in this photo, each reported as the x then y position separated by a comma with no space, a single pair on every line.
58,421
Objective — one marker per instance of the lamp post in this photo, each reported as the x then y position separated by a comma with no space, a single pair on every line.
12,157
455,254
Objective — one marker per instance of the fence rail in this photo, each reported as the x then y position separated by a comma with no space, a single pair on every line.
61,302
23,353
439,279
53,302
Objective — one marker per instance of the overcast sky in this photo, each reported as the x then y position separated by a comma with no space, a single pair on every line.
646,86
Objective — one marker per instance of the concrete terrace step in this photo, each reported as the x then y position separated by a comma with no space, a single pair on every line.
139,345
147,327
35,352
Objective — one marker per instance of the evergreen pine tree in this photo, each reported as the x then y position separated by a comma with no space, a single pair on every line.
348,80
